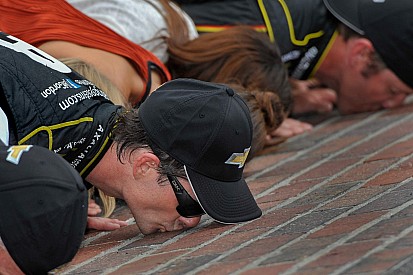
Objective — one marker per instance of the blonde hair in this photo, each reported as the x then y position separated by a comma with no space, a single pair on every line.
116,96
90,73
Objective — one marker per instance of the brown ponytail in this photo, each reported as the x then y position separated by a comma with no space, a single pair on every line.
266,112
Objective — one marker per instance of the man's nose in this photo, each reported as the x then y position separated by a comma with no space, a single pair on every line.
395,101
189,222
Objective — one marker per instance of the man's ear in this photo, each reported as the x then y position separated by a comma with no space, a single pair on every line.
360,52
143,163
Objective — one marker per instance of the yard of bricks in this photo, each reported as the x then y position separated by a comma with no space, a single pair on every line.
336,200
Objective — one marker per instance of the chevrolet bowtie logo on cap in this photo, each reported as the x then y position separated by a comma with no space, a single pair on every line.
238,158
15,153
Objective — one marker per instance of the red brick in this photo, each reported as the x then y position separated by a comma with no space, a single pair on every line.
355,197
363,171
381,261
261,162
260,185
224,244
223,268
116,236
343,254
289,191
260,247
196,238
110,260
145,264
290,168
275,218
394,175
345,225
270,269
398,150
327,169
87,253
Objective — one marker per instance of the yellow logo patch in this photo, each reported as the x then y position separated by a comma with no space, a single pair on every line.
239,158
15,153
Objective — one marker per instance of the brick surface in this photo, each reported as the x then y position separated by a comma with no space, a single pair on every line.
337,200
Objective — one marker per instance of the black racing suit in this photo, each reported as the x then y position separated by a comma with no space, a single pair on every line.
48,104
303,29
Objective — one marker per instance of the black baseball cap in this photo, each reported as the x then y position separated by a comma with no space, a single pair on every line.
388,24
43,208
207,127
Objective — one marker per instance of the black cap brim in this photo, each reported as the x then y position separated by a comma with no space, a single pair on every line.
347,12
226,202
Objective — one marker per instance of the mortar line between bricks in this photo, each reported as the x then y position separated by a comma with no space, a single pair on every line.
343,240
386,243
316,146
400,264
159,267
309,212
275,252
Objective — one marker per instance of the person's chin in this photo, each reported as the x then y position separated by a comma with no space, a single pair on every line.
147,230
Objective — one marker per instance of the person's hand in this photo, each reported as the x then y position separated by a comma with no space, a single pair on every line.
310,96
100,223
93,208
289,127
105,224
